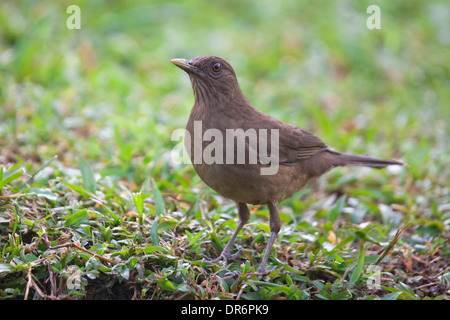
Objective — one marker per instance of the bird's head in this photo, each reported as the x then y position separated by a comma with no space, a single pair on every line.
211,77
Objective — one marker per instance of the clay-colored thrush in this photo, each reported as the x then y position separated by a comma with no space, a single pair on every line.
295,155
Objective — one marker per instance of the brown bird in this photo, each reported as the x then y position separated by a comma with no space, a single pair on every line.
296,156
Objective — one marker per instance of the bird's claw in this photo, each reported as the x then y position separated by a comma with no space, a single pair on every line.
263,272
225,256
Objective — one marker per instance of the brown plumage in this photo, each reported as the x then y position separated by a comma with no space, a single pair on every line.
221,105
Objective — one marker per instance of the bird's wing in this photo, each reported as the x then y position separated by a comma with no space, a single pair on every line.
294,144
297,144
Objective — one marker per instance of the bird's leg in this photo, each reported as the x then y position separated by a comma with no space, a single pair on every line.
275,226
244,215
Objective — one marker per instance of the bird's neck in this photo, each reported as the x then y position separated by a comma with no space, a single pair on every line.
216,100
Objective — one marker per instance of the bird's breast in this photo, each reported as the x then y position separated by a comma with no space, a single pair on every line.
227,157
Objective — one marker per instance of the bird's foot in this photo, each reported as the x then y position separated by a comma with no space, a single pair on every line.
225,256
261,271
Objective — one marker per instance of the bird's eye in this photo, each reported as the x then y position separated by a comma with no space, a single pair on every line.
217,67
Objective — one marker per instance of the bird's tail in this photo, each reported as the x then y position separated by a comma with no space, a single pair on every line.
328,159
345,159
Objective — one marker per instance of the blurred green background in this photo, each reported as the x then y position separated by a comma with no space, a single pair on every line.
107,93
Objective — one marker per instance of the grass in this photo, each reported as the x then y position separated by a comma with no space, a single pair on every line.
91,207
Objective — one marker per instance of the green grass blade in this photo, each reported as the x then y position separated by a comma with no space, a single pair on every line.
77,217
83,192
138,200
154,232
88,176
157,198
334,213
31,179
360,264
9,176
